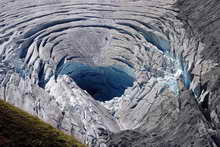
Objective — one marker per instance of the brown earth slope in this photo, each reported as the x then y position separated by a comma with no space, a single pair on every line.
18,128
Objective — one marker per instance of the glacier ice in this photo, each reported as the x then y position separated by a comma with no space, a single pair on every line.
103,83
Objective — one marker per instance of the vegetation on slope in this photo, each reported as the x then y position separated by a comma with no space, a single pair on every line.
18,128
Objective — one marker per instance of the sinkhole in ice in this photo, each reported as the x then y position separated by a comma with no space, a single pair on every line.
102,83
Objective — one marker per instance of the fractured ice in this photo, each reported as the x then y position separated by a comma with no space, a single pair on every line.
103,83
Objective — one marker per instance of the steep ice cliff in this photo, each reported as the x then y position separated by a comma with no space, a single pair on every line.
119,72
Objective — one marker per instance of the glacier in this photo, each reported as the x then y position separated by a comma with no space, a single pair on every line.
126,73
102,83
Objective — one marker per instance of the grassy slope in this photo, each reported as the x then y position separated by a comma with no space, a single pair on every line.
18,128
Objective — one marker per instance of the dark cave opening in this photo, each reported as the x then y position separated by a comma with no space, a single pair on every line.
102,83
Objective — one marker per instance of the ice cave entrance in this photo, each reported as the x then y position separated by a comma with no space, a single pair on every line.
102,83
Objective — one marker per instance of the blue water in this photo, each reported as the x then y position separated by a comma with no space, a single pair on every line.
103,83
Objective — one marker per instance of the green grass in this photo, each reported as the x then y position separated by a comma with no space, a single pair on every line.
18,128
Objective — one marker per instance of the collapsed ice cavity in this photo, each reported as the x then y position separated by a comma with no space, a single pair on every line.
102,83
